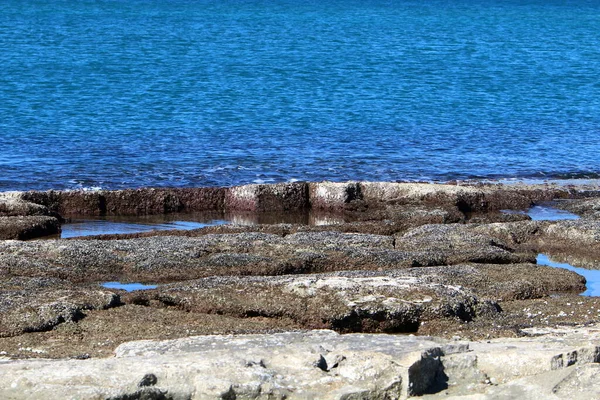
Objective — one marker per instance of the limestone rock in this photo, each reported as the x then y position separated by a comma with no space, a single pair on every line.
318,364
333,195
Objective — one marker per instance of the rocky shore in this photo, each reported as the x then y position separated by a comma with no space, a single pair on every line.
394,290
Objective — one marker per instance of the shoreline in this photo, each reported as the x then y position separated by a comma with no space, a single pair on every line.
441,261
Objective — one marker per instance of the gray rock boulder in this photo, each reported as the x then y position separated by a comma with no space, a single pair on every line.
297,365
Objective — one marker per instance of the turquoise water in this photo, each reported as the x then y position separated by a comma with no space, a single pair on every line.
129,93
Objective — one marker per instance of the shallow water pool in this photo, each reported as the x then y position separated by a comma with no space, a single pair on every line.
545,212
549,213
592,276
129,287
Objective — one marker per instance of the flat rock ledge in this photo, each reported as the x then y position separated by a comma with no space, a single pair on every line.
298,309
549,364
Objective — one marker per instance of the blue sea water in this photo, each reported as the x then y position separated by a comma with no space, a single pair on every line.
130,93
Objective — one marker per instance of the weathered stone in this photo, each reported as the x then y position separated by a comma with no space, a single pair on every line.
31,305
367,303
29,227
77,202
272,198
201,199
322,364
11,205
172,258
255,366
381,257
512,233
500,282
453,244
466,198
588,208
141,202
333,196
128,202
575,232
559,364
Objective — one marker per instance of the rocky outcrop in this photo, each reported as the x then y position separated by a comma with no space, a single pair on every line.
302,365
549,363
576,240
33,305
321,364
367,301
587,208
171,258
332,196
441,260
358,303
29,227
11,204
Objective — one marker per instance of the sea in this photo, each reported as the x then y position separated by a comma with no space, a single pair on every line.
186,93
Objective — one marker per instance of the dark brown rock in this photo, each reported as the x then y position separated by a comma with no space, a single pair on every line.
455,243
78,202
173,258
30,227
129,202
202,199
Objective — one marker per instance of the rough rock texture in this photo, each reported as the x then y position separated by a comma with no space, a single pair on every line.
277,197
171,258
449,243
318,364
357,303
32,305
575,240
321,364
29,227
370,301
587,208
441,260
333,196
549,363
12,205
129,202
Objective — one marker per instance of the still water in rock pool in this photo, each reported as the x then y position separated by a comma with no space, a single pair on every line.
544,212
129,287
549,213
592,276
88,227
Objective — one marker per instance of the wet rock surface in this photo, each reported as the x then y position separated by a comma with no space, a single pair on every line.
438,260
